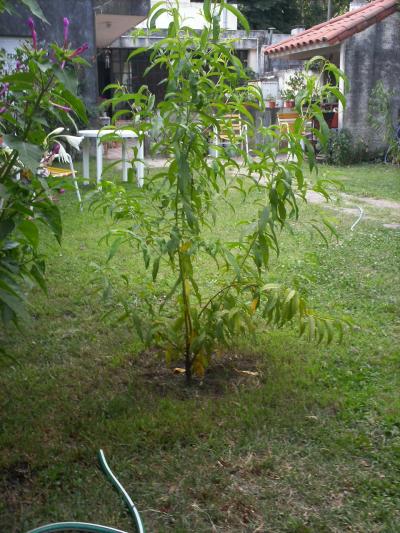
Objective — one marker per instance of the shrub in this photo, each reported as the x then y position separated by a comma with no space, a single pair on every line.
343,149
40,89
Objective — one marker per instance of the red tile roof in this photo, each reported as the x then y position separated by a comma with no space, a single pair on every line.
337,29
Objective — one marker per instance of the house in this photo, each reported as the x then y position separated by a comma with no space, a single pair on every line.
365,44
106,25
115,67
96,22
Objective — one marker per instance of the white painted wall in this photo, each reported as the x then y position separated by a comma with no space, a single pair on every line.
253,60
192,15
10,44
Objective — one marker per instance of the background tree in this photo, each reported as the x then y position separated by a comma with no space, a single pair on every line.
286,14
262,14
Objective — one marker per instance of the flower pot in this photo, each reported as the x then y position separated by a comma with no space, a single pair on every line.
271,104
289,103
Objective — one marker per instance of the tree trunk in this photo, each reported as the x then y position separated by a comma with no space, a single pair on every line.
329,9
188,369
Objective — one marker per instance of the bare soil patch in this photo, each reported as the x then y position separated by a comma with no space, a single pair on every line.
359,203
379,203
228,372
392,226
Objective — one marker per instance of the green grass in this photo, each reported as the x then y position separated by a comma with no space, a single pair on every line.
310,444
377,181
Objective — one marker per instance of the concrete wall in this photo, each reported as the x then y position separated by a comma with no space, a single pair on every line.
192,14
252,42
370,56
81,16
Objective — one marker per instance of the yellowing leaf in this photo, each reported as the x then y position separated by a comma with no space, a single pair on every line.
184,247
198,368
247,372
168,356
254,304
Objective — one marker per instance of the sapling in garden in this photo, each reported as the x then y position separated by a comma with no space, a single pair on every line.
169,223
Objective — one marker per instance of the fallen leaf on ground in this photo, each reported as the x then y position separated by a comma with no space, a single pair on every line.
247,372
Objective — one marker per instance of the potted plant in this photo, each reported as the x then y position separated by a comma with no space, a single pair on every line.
295,84
288,98
270,102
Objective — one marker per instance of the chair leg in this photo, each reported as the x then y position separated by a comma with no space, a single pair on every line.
215,142
140,164
78,192
246,139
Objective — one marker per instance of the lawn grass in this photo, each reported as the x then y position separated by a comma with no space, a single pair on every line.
309,444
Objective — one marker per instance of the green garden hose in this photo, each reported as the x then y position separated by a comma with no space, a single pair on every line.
81,527
131,506
84,527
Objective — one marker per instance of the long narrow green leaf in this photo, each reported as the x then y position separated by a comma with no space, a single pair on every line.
241,18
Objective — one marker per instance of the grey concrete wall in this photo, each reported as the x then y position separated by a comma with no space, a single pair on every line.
81,30
370,56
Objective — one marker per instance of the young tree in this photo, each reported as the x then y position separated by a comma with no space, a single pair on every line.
169,223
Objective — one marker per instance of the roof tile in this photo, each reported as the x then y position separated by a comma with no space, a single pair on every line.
338,29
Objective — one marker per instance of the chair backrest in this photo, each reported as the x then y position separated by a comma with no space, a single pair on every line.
65,172
59,172
235,121
286,121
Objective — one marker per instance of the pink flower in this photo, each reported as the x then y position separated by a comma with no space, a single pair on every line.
79,50
2,110
66,24
31,24
62,107
4,89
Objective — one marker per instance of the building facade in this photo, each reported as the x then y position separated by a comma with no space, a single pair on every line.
106,25
96,22
365,44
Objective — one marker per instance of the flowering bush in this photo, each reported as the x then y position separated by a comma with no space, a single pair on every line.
38,93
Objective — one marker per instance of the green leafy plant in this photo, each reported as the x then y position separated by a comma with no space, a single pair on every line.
341,147
380,118
11,7
38,93
295,85
344,149
169,223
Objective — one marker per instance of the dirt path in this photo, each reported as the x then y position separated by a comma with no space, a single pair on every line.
354,205
375,202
